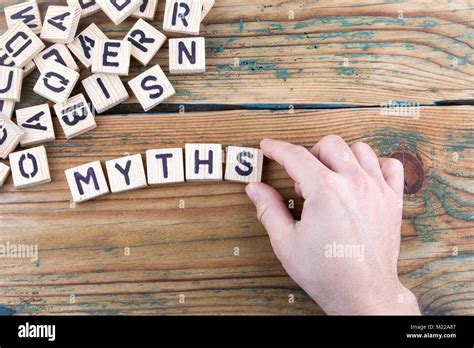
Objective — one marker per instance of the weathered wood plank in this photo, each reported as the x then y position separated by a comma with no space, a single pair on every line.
342,53
190,251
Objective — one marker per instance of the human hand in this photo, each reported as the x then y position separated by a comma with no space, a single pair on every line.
344,250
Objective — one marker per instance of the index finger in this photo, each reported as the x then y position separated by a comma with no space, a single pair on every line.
299,163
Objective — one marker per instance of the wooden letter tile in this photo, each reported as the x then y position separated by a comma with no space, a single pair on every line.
187,56
145,40
5,60
86,7
6,108
37,125
4,172
151,87
21,44
126,173
56,82
26,12
118,11
11,80
111,57
10,136
243,164
105,91
146,10
60,24
86,182
206,7
165,166
183,16
29,68
203,162
30,167
75,116
83,44
58,53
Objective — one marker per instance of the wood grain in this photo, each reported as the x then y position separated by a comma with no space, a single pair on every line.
331,53
190,251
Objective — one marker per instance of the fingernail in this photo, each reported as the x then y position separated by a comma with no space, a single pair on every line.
251,192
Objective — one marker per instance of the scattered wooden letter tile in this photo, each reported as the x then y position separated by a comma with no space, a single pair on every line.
86,7
60,24
27,12
4,172
21,44
105,91
6,108
111,57
187,56
118,11
11,80
146,10
10,136
83,44
30,167
183,16
206,7
126,173
145,40
243,164
203,162
59,53
29,68
37,125
165,166
151,87
56,82
5,60
86,182
75,116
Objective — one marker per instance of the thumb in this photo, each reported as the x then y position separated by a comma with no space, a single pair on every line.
273,214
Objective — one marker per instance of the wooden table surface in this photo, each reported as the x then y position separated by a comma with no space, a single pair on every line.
294,70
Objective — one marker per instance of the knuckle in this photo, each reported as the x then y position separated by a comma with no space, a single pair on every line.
331,139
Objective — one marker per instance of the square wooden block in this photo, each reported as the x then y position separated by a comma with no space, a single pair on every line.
165,166
10,136
56,82
126,173
26,12
11,80
183,16
75,116
21,44
145,40
84,43
118,11
203,162
207,5
187,56
29,68
86,7
60,24
30,167
111,57
37,125
6,108
86,182
4,172
105,91
151,87
58,53
243,164
147,10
